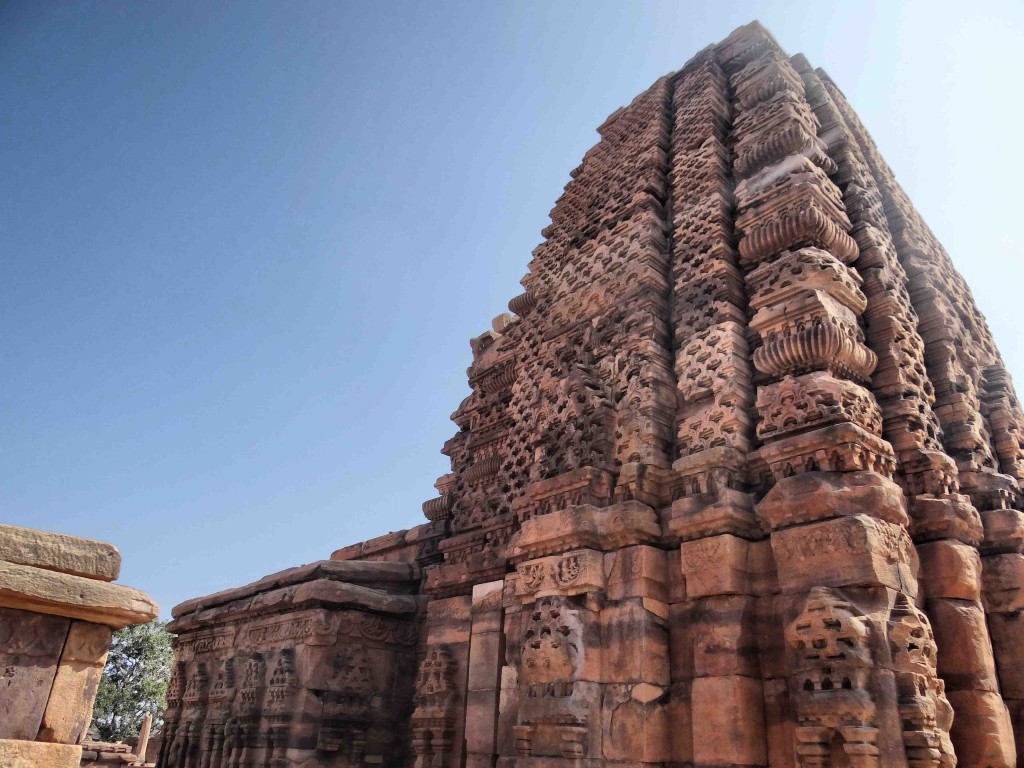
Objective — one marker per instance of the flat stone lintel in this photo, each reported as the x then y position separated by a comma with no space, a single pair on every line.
61,594
369,573
60,552
319,592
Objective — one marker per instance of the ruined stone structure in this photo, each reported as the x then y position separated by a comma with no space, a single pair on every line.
737,485
58,610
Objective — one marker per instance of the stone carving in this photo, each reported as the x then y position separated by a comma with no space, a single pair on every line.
738,483
924,710
551,650
817,399
832,663
575,572
252,688
434,717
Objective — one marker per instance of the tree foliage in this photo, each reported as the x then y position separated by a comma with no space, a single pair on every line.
134,681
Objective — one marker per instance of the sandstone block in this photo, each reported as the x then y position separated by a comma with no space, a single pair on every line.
575,572
60,594
488,596
844,552
58,552
34,754
1016,709
635,723
982,734
950,569
69,708
815,496
486,651
953,517
394,577
681,640
724,637
481,721
680,716
1003,582
637,572
30,649
1004,530
634,645
448,621
780,726
586,527
1007,632
718,565
729,729
965,658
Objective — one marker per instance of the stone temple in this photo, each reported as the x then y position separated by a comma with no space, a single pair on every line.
738,484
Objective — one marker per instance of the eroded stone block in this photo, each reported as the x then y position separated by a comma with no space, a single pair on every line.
30,649
729,729
848,551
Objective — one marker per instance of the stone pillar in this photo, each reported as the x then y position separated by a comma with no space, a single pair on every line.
727,699
486,657
58,610
588,654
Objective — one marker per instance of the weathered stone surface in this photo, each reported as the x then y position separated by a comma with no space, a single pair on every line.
33,589
846,552
950,569
30,649
55,629
817,496
69,709
374,574
965,659
729,727
1005,629
718,565
15,753
59,552
302,666
1003,583
981,732
587,527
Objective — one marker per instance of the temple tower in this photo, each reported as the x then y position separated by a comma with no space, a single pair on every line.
737,483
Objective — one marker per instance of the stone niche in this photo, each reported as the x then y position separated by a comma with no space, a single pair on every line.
58,611
313,666
587,639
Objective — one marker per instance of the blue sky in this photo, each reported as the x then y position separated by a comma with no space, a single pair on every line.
246,243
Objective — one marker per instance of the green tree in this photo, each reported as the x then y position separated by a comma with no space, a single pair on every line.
134,681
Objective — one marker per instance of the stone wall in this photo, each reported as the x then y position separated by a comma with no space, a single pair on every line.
58,610
308,667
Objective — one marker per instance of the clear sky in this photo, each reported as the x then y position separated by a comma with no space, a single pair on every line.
245,243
